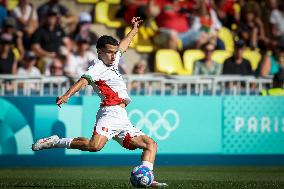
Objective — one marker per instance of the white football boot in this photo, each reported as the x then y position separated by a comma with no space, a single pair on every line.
45,143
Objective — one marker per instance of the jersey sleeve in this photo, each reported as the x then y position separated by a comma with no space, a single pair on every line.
92,74
117,57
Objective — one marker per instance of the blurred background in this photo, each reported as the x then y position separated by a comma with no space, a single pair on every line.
206,78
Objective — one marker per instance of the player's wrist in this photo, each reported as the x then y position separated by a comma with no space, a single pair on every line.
65,98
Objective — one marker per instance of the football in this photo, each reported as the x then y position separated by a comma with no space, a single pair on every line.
141,176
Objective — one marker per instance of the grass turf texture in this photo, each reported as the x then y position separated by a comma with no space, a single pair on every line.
117,177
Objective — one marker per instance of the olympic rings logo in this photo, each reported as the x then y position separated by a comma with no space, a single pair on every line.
158,125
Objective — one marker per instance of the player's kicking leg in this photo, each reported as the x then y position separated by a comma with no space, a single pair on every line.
96,143
149,147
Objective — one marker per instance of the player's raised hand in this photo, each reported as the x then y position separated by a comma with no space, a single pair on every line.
136,21
61,100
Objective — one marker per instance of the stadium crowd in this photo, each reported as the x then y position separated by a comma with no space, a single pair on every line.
52,40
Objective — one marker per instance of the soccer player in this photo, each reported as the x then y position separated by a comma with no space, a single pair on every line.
112,121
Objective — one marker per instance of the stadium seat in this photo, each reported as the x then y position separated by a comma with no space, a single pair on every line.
11,4
253,57
220,56
189,58
141,42
113,1
226,36
134,40
17,54
144,44
87,1
168,61
104,14
151,27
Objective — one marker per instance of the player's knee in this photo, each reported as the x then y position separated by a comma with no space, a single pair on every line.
155,146
84,145
95,148
152,145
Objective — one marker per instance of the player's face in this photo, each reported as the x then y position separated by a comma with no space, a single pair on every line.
107,54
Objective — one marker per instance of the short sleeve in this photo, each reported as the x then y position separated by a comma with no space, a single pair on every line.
117,57
92,74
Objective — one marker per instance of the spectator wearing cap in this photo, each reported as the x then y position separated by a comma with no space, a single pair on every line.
67,19
48,38
237,65
207,66
273,61
277,86
10,25
84,29
8,62
27,20
28,65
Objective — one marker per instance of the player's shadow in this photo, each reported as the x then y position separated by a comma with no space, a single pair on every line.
58,128
54,156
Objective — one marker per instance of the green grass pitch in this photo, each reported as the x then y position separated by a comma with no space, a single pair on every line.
200,177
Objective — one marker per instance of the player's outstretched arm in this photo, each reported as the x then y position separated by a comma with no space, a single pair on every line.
73,89
124,43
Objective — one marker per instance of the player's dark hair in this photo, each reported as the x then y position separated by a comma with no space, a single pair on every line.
104,40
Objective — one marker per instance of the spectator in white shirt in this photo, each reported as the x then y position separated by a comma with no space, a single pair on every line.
28,68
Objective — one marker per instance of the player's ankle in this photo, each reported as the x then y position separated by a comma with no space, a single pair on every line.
148,164
63,143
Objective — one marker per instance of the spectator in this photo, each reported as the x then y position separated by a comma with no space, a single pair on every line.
84,29
28,68
209,23
82,58
251,28
67,20
3,15
48,38
277,86
274,61
237,65
27,20
209,16
226,13
8,63
134,8
57,66
139,68
277,19
17,36
172,17
207,66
